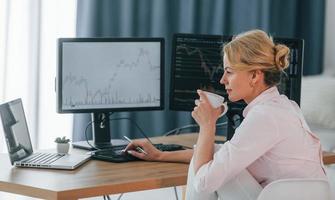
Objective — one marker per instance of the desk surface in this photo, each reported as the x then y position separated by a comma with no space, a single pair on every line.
95,178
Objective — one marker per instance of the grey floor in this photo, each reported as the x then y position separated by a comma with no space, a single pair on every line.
161,194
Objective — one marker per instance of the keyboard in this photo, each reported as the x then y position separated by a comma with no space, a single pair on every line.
169,147
42,158
116,154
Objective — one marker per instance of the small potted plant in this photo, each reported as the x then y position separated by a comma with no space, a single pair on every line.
63,145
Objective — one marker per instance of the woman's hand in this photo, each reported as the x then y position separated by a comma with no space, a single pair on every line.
150,152
204,113
206,116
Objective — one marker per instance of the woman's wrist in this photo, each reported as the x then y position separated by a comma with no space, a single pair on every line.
182,156
161,156
208,128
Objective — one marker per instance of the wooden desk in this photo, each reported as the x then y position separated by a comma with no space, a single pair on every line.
328,157
95,178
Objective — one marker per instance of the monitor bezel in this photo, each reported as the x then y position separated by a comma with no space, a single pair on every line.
58,81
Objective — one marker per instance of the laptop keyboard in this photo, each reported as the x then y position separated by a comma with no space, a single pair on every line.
42,158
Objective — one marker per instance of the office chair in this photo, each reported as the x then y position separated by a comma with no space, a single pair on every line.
291,189
296,189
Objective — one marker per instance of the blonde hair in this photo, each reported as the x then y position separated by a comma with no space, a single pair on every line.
254,50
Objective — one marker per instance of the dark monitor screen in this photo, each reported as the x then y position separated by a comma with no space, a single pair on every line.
197,63
110,74
290,83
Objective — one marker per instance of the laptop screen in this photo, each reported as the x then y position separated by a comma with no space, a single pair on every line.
16,130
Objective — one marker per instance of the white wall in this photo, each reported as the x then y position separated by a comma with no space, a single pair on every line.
329,49
28,42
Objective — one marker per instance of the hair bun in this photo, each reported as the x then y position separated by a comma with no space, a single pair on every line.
281,56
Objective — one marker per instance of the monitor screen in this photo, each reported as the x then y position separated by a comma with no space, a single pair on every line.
197,63
110,74
290,83
105,75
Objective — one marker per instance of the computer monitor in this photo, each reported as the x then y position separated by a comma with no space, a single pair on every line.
197,63
104,75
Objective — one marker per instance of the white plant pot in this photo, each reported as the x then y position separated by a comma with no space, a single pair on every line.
63,148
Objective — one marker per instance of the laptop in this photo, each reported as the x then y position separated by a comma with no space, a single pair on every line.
19,145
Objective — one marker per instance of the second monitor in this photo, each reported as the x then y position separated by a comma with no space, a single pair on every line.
197,63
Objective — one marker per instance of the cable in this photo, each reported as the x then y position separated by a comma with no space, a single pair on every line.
119,118
137,126
176,131
86,137
175,192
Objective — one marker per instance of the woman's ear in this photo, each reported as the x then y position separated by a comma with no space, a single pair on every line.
256,77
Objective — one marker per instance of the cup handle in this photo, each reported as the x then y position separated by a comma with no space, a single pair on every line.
225,109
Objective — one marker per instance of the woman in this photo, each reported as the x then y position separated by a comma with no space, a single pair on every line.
273,141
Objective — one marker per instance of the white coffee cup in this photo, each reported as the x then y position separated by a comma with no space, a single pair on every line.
216,101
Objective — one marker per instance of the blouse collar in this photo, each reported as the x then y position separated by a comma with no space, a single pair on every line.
264,96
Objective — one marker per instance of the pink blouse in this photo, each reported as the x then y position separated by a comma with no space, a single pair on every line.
273,142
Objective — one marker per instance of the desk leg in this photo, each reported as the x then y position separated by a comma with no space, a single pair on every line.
183,192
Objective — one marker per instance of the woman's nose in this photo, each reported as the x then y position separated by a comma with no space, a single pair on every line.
223,79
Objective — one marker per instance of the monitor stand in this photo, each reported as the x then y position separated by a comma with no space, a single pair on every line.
234,117
101,134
